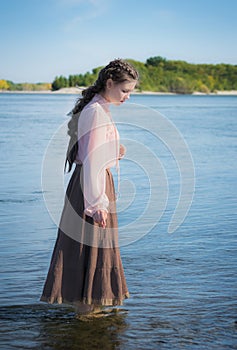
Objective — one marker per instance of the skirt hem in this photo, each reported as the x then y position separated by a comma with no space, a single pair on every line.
88,301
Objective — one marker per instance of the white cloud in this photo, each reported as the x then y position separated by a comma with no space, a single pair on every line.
84,10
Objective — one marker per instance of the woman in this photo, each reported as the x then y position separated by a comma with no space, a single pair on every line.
86,268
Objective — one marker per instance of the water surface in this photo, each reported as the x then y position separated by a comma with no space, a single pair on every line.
183,285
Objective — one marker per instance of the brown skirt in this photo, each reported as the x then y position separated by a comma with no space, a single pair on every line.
86,265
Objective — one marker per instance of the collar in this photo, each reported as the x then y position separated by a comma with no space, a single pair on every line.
102,101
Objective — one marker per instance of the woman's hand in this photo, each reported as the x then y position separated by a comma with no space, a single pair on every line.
122,151
100,217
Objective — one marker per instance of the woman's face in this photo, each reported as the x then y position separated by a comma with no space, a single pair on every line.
118,93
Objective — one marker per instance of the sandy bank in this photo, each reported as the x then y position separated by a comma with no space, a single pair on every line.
224,93
61,91
77,90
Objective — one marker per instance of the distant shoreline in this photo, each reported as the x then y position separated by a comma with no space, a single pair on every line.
76,91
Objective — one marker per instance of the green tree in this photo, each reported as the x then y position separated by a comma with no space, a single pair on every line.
59,83
181,86
155,61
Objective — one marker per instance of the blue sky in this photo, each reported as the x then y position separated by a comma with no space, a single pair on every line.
44,38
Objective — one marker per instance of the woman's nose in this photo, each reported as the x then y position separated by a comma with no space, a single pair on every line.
127,96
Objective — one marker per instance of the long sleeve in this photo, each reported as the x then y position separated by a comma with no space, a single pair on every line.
97,151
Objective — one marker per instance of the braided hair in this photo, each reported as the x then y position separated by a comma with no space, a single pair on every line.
119,71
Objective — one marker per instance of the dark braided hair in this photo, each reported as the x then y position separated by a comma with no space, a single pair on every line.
119,71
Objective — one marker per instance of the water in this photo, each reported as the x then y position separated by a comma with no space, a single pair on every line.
183,285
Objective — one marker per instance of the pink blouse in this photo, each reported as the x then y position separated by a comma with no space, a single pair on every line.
98,149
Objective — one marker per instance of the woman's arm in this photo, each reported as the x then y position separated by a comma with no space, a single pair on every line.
95,161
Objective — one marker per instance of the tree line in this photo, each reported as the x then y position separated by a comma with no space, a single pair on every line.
7,85
157,74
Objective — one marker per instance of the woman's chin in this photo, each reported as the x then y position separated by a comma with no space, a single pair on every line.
117,103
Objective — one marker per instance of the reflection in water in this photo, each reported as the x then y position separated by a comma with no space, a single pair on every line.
49,327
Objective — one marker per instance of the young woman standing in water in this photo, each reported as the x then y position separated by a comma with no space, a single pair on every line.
86,269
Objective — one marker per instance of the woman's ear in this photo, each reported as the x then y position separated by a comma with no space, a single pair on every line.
109,83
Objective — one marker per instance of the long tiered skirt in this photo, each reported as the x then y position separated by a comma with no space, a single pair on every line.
86,265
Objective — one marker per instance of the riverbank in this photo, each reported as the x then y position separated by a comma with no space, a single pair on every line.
77,90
